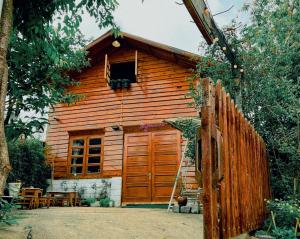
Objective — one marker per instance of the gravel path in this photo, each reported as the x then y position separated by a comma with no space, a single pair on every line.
106,223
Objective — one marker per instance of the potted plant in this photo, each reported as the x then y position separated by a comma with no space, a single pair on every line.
182,200
126,83
14,188
119,83
113,84
104,202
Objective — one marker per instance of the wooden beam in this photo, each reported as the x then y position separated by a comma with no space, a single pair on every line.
202,20
209,29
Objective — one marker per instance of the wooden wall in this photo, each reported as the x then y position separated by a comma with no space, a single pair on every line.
235,189
160,94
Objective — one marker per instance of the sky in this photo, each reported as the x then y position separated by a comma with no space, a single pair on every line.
165,21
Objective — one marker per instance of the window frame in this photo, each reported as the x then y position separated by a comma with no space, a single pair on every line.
85,164
107,67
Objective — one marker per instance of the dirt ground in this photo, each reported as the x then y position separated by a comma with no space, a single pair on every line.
106,223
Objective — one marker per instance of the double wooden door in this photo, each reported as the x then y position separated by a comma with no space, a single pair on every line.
151,161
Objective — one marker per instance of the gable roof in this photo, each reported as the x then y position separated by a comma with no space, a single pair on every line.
103,45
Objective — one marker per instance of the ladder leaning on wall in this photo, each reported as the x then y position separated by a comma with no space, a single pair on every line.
182,173
178,175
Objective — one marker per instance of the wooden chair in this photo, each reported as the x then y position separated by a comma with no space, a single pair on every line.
77,201
30,197
74,199
63,201
28,202
44,201
60,199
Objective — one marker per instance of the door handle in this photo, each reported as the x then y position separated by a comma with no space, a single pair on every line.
149,175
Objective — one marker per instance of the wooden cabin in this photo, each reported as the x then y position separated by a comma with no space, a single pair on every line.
116,132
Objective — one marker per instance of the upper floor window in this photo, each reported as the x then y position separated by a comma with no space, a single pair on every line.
120,74
85,154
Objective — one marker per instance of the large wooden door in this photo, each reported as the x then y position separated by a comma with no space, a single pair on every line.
150,165
137,168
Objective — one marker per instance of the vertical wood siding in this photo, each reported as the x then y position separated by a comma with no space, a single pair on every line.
242,181
160,94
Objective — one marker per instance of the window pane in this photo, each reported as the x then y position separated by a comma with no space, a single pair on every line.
78,142
94,160
77,160
77,151
75,169
96,150
93,169
95,141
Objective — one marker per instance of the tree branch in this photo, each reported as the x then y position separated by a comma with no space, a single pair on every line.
223,11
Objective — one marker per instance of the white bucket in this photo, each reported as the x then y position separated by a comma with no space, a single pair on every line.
14,189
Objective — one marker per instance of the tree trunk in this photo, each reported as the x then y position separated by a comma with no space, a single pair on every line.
5,30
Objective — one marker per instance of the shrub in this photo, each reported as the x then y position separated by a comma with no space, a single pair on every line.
88,201
286,211
28,163
104,202
285,214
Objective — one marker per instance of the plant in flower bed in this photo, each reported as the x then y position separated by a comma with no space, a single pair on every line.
104,202
88,201
104,194
282,224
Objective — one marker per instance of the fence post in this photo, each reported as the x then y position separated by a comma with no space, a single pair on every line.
210,214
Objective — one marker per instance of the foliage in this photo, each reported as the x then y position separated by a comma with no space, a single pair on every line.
31,18
37,78
285,214
104,202
28,163
81,191
45,45
6,216
269,89
106,186
88,201
189,131
286,211
283,233
278,233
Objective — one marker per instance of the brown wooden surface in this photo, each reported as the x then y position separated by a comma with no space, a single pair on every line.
31,196
137,168
165,160
158,95
234,201
150,165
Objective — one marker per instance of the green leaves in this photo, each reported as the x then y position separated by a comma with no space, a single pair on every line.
42,53
270,52
6,214
37,76
28,163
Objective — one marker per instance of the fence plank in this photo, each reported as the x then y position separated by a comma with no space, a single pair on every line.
243,172
206,161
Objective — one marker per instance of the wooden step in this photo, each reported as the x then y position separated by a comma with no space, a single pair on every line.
191,192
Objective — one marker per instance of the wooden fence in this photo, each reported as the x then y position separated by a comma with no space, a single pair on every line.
235,170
